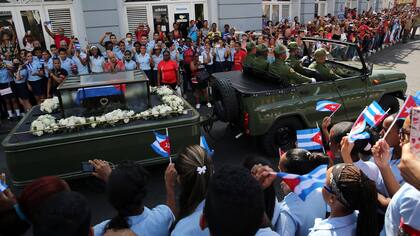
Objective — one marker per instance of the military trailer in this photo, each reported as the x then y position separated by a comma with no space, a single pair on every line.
272,109
61,151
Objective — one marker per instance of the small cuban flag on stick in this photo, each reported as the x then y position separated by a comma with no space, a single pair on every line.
162,145
329,106
374,114
360,124
303,185
203,144
309,139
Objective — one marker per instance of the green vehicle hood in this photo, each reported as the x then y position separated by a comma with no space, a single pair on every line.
386,74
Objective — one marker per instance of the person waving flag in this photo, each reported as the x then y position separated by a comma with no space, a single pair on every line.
303,185
409,103
325,105
203,144
309,139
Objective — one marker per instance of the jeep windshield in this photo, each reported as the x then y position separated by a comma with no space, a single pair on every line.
339,53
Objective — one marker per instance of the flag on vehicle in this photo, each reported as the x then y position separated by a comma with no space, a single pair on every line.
374,114
409,103
309,139
359,125
325,105
354,137
100,91
303,185
161,145
203,144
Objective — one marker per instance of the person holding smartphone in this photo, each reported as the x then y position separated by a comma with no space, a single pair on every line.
57,36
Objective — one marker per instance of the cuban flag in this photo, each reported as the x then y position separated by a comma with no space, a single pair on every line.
417,98
309,139
325,105
409,103
303,185
3,186
359,125
374,114
203,144
100,91
354,137
161,145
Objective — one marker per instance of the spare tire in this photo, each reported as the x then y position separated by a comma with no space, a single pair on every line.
226,106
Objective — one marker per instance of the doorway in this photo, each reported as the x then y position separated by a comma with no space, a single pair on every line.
32,25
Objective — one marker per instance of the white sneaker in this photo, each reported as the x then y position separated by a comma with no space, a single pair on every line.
209,105
198,106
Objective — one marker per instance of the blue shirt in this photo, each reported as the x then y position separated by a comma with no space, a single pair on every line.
4,75
190,225
81,69
144,61
295,216
130,65
266,232
156,60
220,54
340,226
66,65
152,222
33,68
23,77
150,45
117,51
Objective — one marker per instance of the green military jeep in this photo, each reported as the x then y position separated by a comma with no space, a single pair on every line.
273,111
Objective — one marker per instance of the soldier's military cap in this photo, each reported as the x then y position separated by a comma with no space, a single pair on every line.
280,49
320,52
261,48
250,46
292,45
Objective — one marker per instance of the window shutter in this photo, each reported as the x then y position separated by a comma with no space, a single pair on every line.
135,16
61,18
285,11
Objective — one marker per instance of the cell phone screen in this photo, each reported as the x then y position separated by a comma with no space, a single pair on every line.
415,132
87,167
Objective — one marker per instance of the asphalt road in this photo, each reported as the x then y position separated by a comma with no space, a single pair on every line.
404,57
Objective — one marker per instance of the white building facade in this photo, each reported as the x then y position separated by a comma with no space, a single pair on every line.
89,19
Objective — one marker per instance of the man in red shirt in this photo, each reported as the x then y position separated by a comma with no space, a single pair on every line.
113,64
58,37
168,71
239,57
142,30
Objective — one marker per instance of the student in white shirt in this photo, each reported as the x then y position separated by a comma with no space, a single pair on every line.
235,204
346,190
194,168
294,216
96,60
126,189
128,61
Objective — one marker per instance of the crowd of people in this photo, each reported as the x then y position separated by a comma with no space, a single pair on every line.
182,58
372,187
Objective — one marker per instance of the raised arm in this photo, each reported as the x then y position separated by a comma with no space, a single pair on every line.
51,34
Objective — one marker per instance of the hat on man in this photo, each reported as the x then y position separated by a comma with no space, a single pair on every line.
250,46
280,49
292,45
261,48
320,52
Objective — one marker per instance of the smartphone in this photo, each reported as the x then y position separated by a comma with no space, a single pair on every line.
415,132
87,167
3,185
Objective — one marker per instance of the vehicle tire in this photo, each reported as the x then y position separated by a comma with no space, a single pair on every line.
282,134
389,102
226,106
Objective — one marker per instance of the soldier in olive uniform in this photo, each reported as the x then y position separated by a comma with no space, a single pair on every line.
282,70
319,65
260,64
293,59
250,57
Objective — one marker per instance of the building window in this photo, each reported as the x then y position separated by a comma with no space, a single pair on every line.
275,10
320,8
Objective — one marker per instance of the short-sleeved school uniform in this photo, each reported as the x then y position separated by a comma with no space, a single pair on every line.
405,207
266,232
96,64
372,171
190,225
144,61
81,69
66,64
152,222
335,226
22,91
295,216
130,65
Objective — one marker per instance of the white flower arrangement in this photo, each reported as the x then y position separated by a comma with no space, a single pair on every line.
44,124
48,124
49,105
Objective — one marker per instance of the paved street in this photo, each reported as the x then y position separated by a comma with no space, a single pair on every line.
404,57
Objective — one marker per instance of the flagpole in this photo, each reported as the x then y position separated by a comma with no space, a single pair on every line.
169,141
323,149
334,111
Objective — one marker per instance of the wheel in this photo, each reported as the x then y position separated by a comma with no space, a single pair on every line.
282,134
390,102
226,106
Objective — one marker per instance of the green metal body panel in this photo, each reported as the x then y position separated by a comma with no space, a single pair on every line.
300,101
62,154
